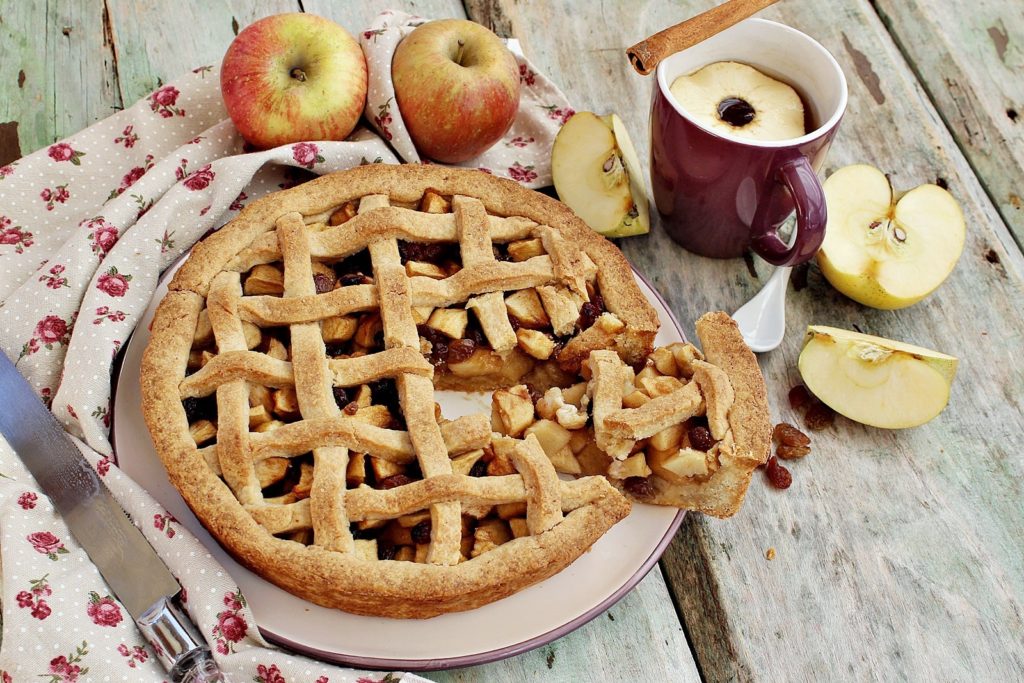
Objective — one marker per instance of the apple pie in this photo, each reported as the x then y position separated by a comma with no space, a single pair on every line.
289,385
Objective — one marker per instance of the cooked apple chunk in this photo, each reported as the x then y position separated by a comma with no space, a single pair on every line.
202,431
562,307
424,269
488,535
633,466
449,321
527,308
552,436
338,329
535,343
668,438
464,463
677,465
525,249
264,279
564,462
421,314
514,408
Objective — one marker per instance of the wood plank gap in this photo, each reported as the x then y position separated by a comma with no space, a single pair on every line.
109,42
908,59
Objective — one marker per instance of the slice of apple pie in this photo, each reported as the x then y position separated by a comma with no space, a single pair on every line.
686,430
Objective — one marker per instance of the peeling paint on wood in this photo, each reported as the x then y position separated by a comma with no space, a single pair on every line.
10,148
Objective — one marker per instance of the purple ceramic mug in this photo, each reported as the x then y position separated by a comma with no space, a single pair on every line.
719,195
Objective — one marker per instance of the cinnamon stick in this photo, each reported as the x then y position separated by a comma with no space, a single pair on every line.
645,55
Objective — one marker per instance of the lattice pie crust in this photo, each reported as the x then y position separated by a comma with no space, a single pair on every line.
289,390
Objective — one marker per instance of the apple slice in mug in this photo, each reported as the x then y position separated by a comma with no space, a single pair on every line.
597,173
885,250
875,381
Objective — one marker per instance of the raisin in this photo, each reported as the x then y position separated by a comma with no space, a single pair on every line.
479,469
351,409
385,393
341,397
700,438
421,532
364,533
393,481
460,349
323,283
589,312
439,355
788,435
819,416
792,452
386,551
334,350
500,252
357,263
799,397
514,322
432,252
350,279
200,408
535,393
778,475
640,487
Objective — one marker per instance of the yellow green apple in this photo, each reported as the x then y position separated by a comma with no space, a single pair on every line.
457,86
293,77
883,249
873,380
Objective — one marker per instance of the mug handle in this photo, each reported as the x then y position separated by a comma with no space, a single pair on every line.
809,200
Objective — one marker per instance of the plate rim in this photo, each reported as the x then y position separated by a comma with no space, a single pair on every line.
434,664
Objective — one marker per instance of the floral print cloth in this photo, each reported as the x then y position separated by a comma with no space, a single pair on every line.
87,226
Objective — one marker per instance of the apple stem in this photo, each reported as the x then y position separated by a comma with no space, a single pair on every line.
298,74
458,55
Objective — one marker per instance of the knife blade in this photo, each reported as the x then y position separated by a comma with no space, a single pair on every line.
127,562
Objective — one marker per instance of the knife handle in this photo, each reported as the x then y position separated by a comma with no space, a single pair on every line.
178,645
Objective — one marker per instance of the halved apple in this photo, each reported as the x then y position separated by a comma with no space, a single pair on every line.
597,173
875,381
886,250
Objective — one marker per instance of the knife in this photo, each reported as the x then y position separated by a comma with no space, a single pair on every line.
130,566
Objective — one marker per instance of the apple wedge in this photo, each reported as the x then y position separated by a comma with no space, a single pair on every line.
886,250
875,381
597,173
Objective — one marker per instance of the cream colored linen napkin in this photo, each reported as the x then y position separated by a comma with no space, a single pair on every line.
86,228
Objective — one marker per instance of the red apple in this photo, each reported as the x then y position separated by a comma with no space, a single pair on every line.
293,77
457,86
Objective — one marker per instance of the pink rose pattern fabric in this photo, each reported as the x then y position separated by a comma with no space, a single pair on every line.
87,224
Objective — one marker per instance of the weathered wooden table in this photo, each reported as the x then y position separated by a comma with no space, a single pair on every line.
898,555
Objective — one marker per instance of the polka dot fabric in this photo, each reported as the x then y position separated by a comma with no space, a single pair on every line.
87,226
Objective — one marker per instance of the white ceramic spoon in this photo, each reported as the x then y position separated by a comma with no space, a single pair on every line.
762,320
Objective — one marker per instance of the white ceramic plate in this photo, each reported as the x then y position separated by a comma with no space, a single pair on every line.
528,619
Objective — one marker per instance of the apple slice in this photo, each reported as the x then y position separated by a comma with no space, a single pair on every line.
875,381
885,250
597,173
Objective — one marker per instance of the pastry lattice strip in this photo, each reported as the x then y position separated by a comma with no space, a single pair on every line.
314,375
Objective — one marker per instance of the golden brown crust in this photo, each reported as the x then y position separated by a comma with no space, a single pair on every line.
332,575
747,443
405,185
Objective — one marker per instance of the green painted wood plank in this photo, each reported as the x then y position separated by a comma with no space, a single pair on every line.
639,639
56,72
897,552
158,41
972,66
